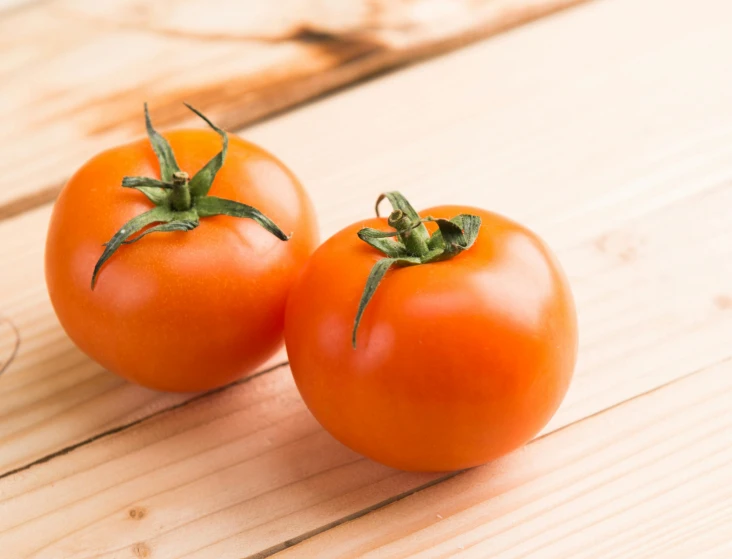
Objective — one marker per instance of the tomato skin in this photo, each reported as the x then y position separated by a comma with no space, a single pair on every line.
180,311
457,362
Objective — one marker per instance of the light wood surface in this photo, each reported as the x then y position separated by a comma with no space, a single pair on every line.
618,152
75,73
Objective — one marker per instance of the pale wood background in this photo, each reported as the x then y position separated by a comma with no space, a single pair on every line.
608,129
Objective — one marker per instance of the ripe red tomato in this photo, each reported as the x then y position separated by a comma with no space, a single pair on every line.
199,301
456,362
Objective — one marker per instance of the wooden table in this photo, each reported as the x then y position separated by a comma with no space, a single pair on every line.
607,128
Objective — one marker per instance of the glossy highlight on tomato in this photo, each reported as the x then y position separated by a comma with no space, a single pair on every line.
456,363
178,310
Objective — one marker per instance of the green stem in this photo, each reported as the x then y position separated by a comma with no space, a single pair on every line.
413,235
180,201
414,245
180,197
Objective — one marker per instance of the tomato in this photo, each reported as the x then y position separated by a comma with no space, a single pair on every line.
456,362
200,300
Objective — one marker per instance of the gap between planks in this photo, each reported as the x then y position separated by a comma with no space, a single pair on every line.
123,427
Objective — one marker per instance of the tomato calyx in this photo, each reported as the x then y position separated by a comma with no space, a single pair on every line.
180,201
410,244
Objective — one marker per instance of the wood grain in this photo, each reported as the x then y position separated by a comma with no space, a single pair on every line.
75,73
649,478
577,143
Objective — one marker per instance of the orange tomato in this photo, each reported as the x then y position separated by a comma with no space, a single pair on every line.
457,362
181,310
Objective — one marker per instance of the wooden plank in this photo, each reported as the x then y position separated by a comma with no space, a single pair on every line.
492,148
648,478
241,460
76,72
